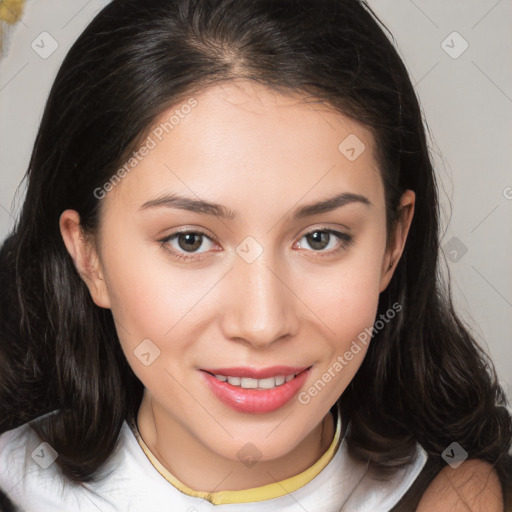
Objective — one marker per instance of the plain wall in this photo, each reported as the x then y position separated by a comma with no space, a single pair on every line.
466,97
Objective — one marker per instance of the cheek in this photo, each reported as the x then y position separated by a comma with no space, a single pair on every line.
151,312
347,296
347,300
149,300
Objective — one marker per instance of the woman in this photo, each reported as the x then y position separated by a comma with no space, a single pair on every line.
225,274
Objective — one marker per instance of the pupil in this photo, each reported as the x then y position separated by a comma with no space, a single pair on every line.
318,239
189,241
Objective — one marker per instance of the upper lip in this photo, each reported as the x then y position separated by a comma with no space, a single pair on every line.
257,373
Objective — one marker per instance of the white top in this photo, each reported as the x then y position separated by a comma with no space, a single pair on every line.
131,483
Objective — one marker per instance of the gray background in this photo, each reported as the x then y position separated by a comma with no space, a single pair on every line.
466,97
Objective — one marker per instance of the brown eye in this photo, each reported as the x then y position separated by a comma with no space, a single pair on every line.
185,244
322,239
189,241
318,239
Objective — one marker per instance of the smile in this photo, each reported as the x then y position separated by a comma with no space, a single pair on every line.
254,391
249,383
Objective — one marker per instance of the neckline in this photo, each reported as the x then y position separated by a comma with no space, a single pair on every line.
255,494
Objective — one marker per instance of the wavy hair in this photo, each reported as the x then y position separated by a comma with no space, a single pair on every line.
424,378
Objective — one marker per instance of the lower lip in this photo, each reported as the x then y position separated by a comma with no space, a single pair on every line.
254,401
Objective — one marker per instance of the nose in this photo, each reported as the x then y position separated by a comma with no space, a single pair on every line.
263,307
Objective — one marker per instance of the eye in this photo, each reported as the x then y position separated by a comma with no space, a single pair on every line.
183,242
185,245
327,241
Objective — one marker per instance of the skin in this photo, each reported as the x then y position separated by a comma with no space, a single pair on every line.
472,487
261,154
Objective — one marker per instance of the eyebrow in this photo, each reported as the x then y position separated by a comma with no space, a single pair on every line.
218,210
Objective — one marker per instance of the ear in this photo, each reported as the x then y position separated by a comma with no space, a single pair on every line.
398,238
84,257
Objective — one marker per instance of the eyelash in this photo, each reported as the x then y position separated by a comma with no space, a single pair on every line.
345,242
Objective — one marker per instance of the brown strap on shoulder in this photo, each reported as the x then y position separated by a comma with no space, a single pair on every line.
410,500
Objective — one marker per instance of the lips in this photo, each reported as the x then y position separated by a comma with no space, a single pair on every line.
253,390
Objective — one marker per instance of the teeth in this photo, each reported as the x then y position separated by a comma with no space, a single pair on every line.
249,383
267,383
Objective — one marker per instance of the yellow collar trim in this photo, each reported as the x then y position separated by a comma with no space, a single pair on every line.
265,492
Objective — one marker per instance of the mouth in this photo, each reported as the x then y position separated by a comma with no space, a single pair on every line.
254,391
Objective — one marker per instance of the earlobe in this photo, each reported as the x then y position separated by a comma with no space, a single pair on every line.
396,247
84,256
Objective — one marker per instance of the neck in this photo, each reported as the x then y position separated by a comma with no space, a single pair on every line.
202,469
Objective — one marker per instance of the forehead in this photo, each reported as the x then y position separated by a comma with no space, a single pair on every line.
244,145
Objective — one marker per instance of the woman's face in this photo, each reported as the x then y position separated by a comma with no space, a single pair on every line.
265,284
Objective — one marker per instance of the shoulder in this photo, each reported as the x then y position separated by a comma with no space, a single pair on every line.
31,477
383,490
474,486
13,460
13,450
19,444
